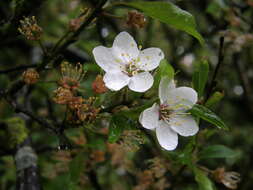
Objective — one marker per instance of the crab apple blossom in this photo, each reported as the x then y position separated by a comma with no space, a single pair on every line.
171,118
124,64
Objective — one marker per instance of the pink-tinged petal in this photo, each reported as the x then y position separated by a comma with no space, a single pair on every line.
182,98
184,125
150,58
124,47
141,82
105,59
115,81
167,138
149,117
165,86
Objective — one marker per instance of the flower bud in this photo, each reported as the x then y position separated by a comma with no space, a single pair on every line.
98,85
135,19
30,76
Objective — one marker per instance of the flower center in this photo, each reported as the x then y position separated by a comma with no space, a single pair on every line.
131,69
164,112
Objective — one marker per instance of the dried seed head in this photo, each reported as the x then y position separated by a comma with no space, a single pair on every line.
98,85
135,19
30,76
30,29
229,179
71,75
62,95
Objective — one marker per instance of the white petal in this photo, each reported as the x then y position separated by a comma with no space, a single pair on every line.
105,59
149,118
167,138
150,58
115,81
184,125
141,82
165,86
124,47
182,98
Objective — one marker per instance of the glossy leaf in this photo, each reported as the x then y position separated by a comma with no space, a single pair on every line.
170,14
203,181
217,151
207,115
200,77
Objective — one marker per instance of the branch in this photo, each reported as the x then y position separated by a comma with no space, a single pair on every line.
220,61
34,117
26,166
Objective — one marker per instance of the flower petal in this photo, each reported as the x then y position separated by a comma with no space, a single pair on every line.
115,81
141,82
165,86
167,138
184,125
182,98
150,58
124,47
149,117
105,59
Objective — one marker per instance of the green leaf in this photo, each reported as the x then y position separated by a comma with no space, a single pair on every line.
170,14
207,115
215,98
217,151
203,181
200,77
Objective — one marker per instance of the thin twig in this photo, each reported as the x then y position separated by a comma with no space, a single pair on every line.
220,61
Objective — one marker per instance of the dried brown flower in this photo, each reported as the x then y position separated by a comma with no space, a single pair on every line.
229,179
71,75
98,85
30,29
30,76
136,19
62,95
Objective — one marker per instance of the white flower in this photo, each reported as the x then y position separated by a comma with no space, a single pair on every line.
125,64
170,117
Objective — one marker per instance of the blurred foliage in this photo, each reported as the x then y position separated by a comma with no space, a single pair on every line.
111,150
